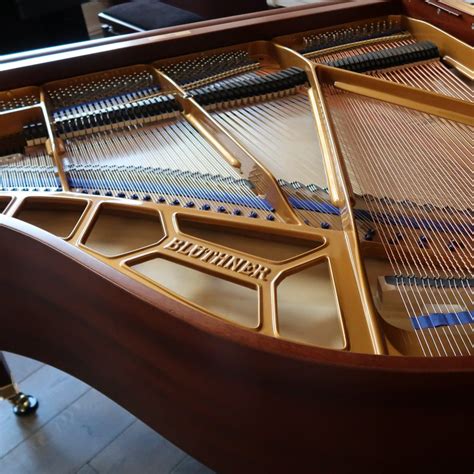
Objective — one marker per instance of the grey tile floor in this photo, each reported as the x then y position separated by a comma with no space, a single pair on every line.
79,430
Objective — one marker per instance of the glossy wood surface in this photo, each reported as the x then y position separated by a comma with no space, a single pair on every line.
453,21
236,401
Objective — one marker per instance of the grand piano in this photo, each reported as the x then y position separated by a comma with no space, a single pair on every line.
254,233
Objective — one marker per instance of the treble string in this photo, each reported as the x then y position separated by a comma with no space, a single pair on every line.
167,157
281,135
432,75
268,130
371,48
33,169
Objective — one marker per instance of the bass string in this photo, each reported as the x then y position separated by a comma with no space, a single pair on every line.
399,267
394,254
420,300
445,255
457,181
432,76
445,176
272,137
433,168
452,184
369,224
440,256
369,203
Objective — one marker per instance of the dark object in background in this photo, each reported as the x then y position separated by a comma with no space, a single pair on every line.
144,15
33,24
220,8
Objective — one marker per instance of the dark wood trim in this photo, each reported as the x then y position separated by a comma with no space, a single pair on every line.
237,401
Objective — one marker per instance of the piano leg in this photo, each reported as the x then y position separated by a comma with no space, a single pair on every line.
22,404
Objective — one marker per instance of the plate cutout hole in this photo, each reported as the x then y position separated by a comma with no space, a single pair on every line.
223,298
117,230
268,245
55,215
4,201
307,308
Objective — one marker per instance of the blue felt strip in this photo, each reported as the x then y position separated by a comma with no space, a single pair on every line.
164,188
383,218
413,223
436,320
307,204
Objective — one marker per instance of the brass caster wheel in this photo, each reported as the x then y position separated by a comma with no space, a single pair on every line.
24,405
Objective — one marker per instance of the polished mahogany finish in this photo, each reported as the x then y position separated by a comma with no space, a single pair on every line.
446,17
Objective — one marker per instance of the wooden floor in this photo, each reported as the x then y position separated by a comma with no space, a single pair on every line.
79,430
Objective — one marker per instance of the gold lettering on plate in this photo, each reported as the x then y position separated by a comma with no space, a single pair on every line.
219,259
